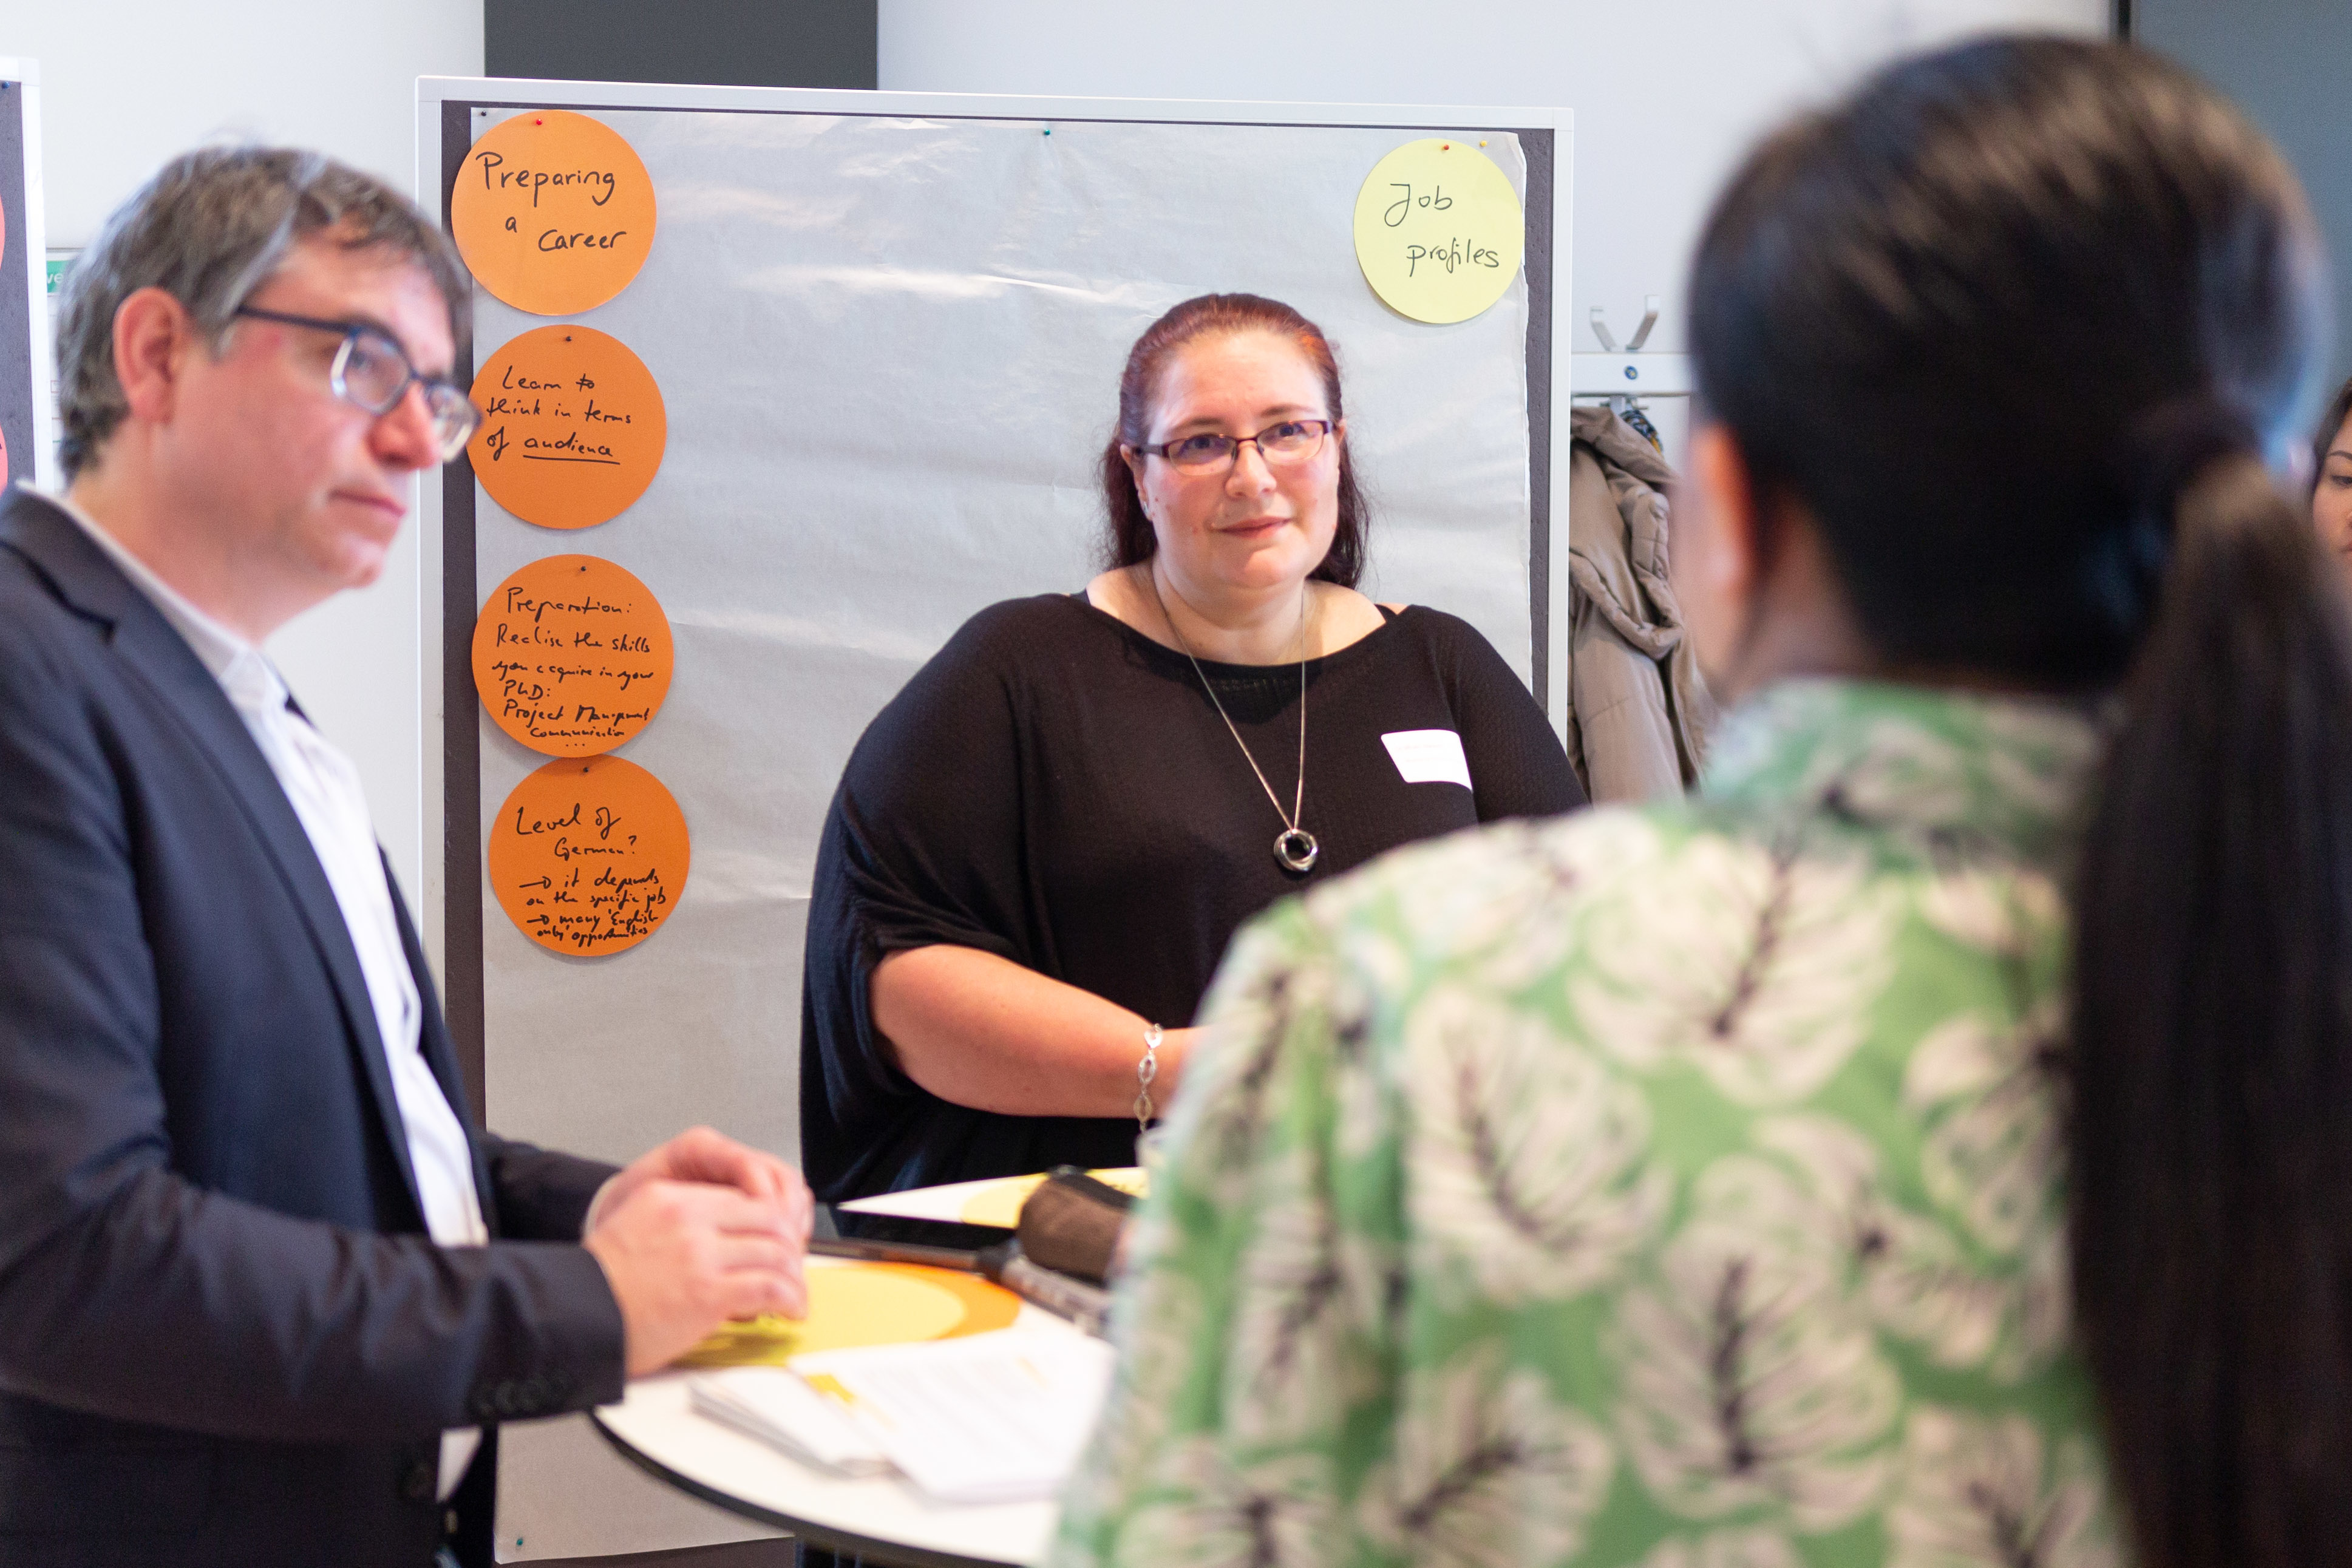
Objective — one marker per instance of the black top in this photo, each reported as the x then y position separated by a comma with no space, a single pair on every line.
1055,788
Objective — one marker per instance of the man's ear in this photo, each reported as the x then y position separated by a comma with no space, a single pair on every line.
1718,546
153,335
1722,553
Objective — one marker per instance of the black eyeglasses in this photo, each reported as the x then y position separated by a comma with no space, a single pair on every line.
1292,441
371,371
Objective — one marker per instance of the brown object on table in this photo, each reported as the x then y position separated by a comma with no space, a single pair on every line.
1071,1224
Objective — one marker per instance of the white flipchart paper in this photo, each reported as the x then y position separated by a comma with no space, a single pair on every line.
889,351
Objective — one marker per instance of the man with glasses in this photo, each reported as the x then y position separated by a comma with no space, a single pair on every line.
264,1287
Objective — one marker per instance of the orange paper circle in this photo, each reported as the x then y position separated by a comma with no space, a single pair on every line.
573,655
553,212
589,857
574,427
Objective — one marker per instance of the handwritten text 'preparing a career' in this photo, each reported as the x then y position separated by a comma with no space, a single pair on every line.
496,176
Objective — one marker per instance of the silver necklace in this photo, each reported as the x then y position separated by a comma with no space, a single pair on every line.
1294,848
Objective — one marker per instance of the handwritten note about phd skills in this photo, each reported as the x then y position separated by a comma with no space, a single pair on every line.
573,655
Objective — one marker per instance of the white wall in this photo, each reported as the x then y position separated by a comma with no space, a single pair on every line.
1667,93
127,83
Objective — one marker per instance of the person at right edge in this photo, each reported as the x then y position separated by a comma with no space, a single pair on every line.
1930,1145
2331,473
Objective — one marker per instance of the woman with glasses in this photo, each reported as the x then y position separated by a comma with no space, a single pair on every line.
1927,1147
1041,847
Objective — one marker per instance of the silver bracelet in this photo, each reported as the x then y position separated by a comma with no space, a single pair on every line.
1145,1071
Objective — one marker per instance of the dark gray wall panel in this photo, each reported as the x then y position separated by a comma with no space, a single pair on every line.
722,42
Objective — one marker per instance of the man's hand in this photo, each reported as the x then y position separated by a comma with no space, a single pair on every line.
684,1257
700,1154
698,1231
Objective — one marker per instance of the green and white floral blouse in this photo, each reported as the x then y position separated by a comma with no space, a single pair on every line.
1672,1188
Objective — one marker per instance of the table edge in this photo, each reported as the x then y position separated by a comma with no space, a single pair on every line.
822,1536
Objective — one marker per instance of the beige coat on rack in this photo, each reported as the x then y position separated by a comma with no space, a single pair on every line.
1639,713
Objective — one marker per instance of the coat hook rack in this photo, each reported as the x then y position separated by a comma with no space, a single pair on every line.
1622,374
1641,333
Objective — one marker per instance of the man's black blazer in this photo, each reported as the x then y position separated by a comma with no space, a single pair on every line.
225,1337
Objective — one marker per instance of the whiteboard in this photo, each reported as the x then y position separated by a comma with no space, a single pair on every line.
887,330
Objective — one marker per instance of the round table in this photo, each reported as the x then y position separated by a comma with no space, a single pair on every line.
882,1520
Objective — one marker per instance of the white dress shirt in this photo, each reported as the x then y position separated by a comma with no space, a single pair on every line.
323,787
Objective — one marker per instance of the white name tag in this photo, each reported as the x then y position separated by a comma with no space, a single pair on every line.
1429,756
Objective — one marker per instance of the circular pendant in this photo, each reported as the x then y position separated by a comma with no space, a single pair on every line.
1296,849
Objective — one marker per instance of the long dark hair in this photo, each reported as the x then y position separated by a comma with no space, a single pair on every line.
1128,540
2014,325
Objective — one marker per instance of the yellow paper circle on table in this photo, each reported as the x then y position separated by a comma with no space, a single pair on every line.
572,427
1440,232
999,1203
553,212
856,1304
573,655
589,857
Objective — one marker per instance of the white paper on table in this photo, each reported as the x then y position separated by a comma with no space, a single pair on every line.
1429,756
994,1417
777,1407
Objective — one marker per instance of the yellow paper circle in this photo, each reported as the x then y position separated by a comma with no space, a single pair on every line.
999,1203
856,1304
1440,232
553,212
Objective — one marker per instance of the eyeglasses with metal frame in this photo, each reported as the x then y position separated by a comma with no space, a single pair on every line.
1292,441
372,372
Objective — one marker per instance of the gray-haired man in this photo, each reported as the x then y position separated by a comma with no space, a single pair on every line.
264,1284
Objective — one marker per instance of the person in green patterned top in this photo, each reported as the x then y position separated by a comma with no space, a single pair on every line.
1927,1147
